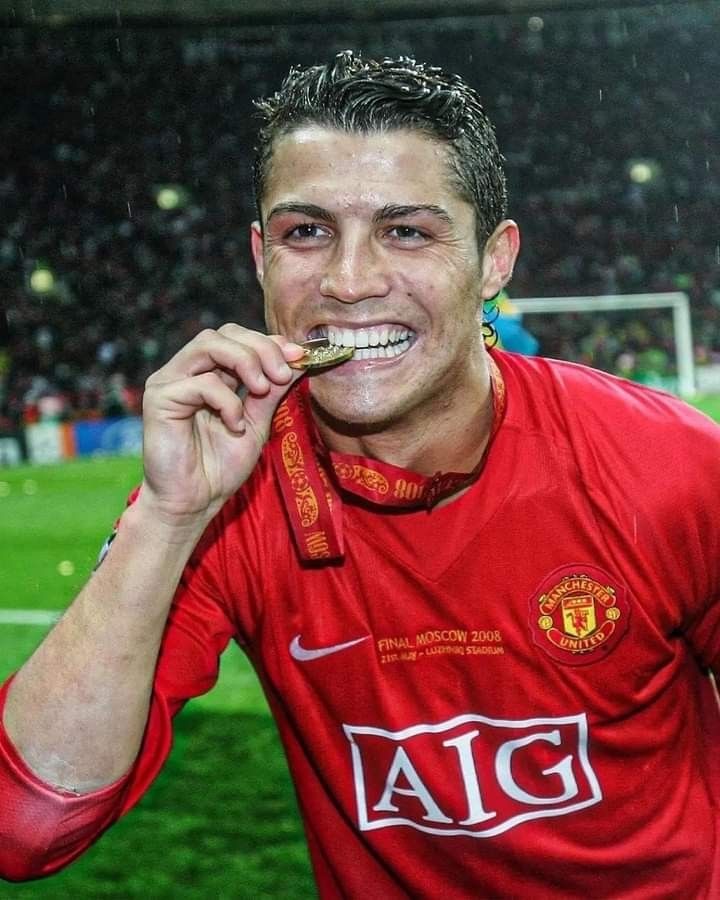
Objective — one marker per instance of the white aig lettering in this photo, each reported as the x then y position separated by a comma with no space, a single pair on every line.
471,774
401,765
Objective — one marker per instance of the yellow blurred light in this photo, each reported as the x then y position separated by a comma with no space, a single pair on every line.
42,281
66,568
168,198
642,172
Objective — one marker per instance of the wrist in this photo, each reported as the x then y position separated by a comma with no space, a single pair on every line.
154,521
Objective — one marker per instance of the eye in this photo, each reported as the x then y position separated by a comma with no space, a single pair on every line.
407,233
307,231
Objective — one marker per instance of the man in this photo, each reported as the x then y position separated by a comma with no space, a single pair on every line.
486,642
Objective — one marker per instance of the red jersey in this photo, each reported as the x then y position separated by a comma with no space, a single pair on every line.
505,696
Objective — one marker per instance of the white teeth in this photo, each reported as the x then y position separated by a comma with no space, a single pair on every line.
389,352
380,342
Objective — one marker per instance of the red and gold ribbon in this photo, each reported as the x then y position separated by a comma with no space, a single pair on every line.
312,478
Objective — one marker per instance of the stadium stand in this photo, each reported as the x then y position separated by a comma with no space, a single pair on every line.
125,184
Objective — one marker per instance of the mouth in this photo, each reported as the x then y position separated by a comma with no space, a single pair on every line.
383,341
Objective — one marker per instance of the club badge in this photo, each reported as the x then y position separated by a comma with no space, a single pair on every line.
579,614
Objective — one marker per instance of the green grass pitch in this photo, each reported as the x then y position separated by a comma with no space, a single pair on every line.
221,820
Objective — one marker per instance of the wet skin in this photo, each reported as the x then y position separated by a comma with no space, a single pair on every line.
366,232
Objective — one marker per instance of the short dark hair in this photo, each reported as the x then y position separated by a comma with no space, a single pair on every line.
364,96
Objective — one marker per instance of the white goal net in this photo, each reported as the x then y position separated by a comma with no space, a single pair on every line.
676,301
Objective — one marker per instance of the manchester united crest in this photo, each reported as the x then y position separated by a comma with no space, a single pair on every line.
579,614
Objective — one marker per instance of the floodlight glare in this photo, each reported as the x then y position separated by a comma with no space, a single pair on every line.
42,281
168,198
642,172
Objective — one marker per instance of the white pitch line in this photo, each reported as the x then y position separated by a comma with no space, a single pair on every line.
29,616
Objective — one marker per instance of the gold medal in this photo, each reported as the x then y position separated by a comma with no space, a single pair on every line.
319,354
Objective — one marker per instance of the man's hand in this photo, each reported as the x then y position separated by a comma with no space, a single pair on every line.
207,415
77,710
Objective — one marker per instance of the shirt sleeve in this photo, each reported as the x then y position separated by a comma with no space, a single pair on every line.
696,543
42,829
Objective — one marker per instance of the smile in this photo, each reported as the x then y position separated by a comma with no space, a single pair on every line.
375,342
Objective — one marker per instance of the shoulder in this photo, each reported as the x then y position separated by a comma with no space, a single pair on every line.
647,463
585,403
626,444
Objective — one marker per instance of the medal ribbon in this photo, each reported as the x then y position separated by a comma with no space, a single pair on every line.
311,477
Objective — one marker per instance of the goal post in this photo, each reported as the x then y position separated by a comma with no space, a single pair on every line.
675,300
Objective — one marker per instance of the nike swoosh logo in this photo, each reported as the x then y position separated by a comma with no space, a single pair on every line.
302,655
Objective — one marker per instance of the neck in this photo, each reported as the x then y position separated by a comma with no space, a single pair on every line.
450,437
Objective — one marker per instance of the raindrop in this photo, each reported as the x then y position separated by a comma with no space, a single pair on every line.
600,94
676,212
129,209
64,190
717,254
118,17
707,165
634,61
686,76
117,44
66,567
535,23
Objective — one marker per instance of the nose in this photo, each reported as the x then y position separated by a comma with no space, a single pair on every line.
355,270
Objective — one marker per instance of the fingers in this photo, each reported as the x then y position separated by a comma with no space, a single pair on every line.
238,374
182,398
254,360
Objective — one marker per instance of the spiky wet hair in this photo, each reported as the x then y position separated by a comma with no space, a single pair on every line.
364,96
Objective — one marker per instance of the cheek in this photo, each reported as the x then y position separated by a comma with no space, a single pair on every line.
283,264
287,287
450,304
270,318
280,313
289,284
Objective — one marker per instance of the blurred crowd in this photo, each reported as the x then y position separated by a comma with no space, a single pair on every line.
125,184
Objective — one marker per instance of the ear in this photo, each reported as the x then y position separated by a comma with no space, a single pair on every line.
256,245
501,251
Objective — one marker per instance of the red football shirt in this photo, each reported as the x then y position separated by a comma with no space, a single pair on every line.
504,696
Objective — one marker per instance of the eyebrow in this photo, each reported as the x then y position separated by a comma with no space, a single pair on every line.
306,209
389,211
393,211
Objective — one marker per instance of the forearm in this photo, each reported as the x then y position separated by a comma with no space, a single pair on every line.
77,709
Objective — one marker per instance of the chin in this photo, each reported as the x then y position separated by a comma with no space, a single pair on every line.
354,420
